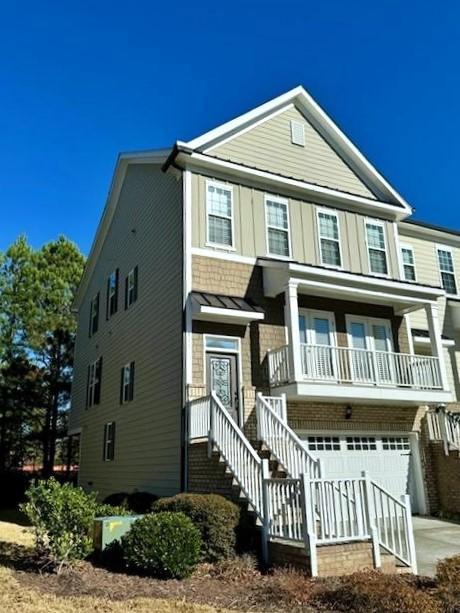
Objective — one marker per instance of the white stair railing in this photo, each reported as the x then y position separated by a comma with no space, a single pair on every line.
283,443
236,450
449,425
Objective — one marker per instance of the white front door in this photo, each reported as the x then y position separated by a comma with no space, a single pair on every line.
386,457
373,362
317,337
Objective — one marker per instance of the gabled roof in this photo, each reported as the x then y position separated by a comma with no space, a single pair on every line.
321,122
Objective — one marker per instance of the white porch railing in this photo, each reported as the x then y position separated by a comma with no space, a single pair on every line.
283,442
357,366
444,425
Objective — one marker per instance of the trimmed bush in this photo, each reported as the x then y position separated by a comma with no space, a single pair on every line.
216,518
63,516
165,545
448,583
137,502
375,592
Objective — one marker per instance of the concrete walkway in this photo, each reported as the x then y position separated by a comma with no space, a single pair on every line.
435,539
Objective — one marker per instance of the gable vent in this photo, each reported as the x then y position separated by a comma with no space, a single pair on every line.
297,133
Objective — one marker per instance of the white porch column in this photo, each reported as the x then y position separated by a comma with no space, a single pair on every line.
292,322
432,315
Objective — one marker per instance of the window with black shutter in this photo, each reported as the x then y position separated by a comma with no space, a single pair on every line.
108,452
93,387
112,293
94,314
131,284
127,383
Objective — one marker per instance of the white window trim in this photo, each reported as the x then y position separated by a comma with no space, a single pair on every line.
93,300
409,248
92,382
377,222
284,201
438,247
368,322
107,441
239,366
332,213
131,280
310,314
229,188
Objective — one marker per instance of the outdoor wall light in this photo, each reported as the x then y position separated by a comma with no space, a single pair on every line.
349,412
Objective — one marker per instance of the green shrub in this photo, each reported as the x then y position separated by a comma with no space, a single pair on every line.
166,545
137,502
216,518
375,592
63,516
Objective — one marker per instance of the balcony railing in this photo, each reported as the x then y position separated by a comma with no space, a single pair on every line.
321,363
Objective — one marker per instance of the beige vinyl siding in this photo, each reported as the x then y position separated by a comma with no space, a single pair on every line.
250,231
268,146
146,231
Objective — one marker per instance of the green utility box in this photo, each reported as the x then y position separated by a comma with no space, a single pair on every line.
111,528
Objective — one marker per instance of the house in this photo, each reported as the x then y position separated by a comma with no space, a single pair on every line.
262,289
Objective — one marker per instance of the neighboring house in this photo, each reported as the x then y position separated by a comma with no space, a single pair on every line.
269,262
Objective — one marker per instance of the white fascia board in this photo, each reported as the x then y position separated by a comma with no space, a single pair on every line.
432,234
324,195
124,159
356,394
322,122
222,315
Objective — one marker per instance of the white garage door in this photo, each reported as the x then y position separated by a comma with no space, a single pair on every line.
387,458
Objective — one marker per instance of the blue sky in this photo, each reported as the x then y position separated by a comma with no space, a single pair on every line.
80,82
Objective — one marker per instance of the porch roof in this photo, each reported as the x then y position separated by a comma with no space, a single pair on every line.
225,309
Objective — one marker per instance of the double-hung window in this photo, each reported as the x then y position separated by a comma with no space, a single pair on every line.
93,384
408,263
108,450
219,213
112,293
446,269
127,383
277,220
131,287
94,314
329,238
376,247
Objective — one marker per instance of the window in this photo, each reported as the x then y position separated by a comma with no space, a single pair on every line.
131,287
93,384
329,239
219,210
408,262
323,443
446,268
297,133
277,221
94,315
127,383
112,294
361,443
108,453
375,236
395,443
221,342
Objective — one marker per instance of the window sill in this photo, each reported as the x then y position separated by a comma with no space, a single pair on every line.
220,247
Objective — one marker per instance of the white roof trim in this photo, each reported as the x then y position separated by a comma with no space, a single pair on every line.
320,121
157,156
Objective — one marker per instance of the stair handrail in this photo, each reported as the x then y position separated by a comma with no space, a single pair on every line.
449,425
241,458
284,443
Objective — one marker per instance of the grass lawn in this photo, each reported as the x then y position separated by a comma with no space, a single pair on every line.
16,597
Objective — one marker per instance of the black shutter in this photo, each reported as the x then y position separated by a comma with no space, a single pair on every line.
126,291
97,388
135,284
107,302
90,330
87,387
131,381
117,277
96,311
111,450
121,384
104,456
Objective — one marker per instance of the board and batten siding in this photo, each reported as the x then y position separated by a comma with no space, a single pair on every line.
146,231
268,146
250,231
